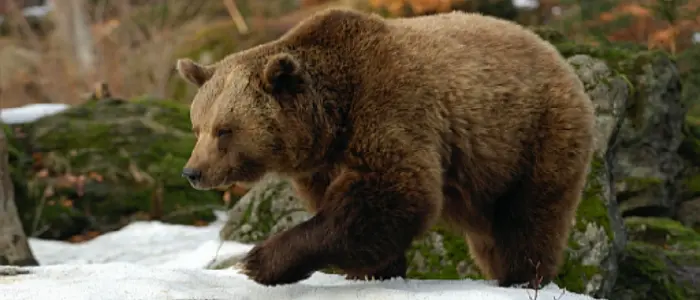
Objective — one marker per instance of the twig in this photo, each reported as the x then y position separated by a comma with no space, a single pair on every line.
39,209
536,282
216,255
560,295
236,16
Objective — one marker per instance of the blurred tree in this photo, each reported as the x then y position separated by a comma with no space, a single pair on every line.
14,249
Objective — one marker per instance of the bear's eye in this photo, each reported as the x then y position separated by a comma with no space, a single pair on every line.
223,132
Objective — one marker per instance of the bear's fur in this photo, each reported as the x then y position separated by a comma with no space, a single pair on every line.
387,126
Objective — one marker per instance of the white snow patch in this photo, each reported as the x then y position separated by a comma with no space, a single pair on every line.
153,260
127,281
35,11
30,113
526,3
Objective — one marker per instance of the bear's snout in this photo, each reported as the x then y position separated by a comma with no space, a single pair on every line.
192,175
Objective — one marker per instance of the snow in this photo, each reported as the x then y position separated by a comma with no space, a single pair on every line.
153,260
526,3
34,11
30,112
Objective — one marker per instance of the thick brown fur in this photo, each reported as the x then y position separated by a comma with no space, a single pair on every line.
386,127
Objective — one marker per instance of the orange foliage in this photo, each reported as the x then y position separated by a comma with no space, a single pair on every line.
647,28
417,6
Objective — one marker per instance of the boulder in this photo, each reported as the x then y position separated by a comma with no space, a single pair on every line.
689,208
99,165
648,165
648,169
661,261
271,206
598,235
689,213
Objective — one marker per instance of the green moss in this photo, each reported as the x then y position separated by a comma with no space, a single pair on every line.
269,207
644,274
660,261
574,274
115,161
690,147
447,258
641,183
663,232
592,208
266,216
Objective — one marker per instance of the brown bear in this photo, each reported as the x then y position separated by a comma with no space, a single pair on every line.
387,126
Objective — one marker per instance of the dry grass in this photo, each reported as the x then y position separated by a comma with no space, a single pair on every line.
131,48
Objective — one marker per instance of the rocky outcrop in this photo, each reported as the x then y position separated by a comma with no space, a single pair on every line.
648,165
661,261
598,236
271,206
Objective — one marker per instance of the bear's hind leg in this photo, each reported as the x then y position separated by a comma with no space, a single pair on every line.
531,230
532,219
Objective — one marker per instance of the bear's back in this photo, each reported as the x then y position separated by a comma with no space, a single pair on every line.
495,78
497,82
478,86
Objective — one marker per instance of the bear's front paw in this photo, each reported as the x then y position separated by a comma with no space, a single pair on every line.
270,265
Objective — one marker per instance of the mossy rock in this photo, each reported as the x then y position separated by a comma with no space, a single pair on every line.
690,151
271,206
661,261
689,213
99,165
647,166
690,148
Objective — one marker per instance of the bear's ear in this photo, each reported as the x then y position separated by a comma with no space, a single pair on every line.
194,72
282,74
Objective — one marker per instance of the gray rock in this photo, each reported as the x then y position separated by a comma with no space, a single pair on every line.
271,206
689,213
598,236
648,166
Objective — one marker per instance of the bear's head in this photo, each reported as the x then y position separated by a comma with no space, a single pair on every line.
252,114
281,106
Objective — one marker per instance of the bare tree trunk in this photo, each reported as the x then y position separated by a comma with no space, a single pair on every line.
72,23
14,248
